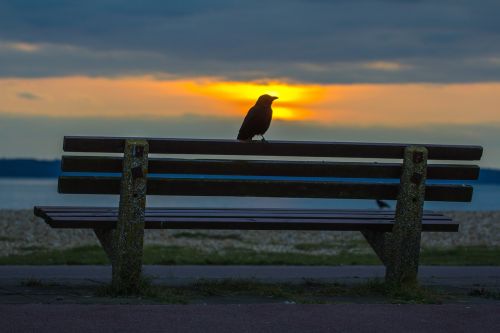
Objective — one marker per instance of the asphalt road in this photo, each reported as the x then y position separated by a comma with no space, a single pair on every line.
452,276
250,318
28,315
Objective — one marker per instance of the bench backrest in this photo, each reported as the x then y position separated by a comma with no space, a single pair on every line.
229,176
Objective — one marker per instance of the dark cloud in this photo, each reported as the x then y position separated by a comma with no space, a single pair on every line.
319,41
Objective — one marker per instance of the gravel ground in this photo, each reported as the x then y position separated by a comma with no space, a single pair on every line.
22,233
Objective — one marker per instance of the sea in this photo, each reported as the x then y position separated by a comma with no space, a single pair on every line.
25,193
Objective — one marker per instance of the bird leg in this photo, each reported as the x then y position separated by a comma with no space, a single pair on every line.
263,138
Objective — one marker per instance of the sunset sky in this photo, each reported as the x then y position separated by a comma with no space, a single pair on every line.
380,71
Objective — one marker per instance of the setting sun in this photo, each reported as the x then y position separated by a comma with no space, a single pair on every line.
293,102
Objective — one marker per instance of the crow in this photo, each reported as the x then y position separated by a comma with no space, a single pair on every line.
258,119
382,204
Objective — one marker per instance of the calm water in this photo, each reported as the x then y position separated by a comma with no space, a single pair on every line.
26,193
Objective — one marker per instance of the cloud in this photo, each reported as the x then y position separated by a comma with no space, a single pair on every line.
28,95
19,47
386,66
354,104
432,41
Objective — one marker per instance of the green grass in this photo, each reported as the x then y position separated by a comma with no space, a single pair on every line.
201,235
316,246
83,255
309,292
177,255
8,239
349,245
462,255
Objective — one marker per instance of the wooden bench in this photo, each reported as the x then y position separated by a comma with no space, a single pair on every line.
124,169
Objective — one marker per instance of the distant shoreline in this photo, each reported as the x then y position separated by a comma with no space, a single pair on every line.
29,168
28,177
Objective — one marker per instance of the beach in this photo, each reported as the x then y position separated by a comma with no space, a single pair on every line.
22,232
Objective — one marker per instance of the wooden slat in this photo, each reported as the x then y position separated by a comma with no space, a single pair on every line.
250,223
267,168
196,209
261,188
271,148
80,209
244,219
259,214
230,224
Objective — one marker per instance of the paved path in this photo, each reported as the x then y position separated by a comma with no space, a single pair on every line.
478,315
452,276
250,318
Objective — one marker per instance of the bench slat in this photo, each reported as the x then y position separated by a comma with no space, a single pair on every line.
197,209
267,168
270,148
253,221
290,215
40,210
261,188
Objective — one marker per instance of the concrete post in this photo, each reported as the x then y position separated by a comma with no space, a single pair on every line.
128,237
404,244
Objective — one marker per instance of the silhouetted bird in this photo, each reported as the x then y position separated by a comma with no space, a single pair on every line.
382,204
258,119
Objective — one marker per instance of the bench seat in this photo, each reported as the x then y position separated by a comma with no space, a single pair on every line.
240,218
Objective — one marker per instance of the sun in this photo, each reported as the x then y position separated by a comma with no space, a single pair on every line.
291,105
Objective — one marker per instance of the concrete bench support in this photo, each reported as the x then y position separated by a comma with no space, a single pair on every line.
399,250
403,251
124,245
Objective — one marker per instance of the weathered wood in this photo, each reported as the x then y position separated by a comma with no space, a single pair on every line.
129,233
261,188
404,245
271,148
243,214
250,223
267,168
251,219
40,210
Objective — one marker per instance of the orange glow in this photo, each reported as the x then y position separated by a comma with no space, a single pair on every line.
292,104
345,105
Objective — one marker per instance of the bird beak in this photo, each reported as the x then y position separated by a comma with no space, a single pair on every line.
274,97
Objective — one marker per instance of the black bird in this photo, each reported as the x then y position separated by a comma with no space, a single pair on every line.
382,204
258,119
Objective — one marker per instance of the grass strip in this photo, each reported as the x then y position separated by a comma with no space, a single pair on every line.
202,235
309,292
182,255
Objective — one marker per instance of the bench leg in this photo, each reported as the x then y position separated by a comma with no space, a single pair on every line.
106,239
128,237
378,242
403,247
